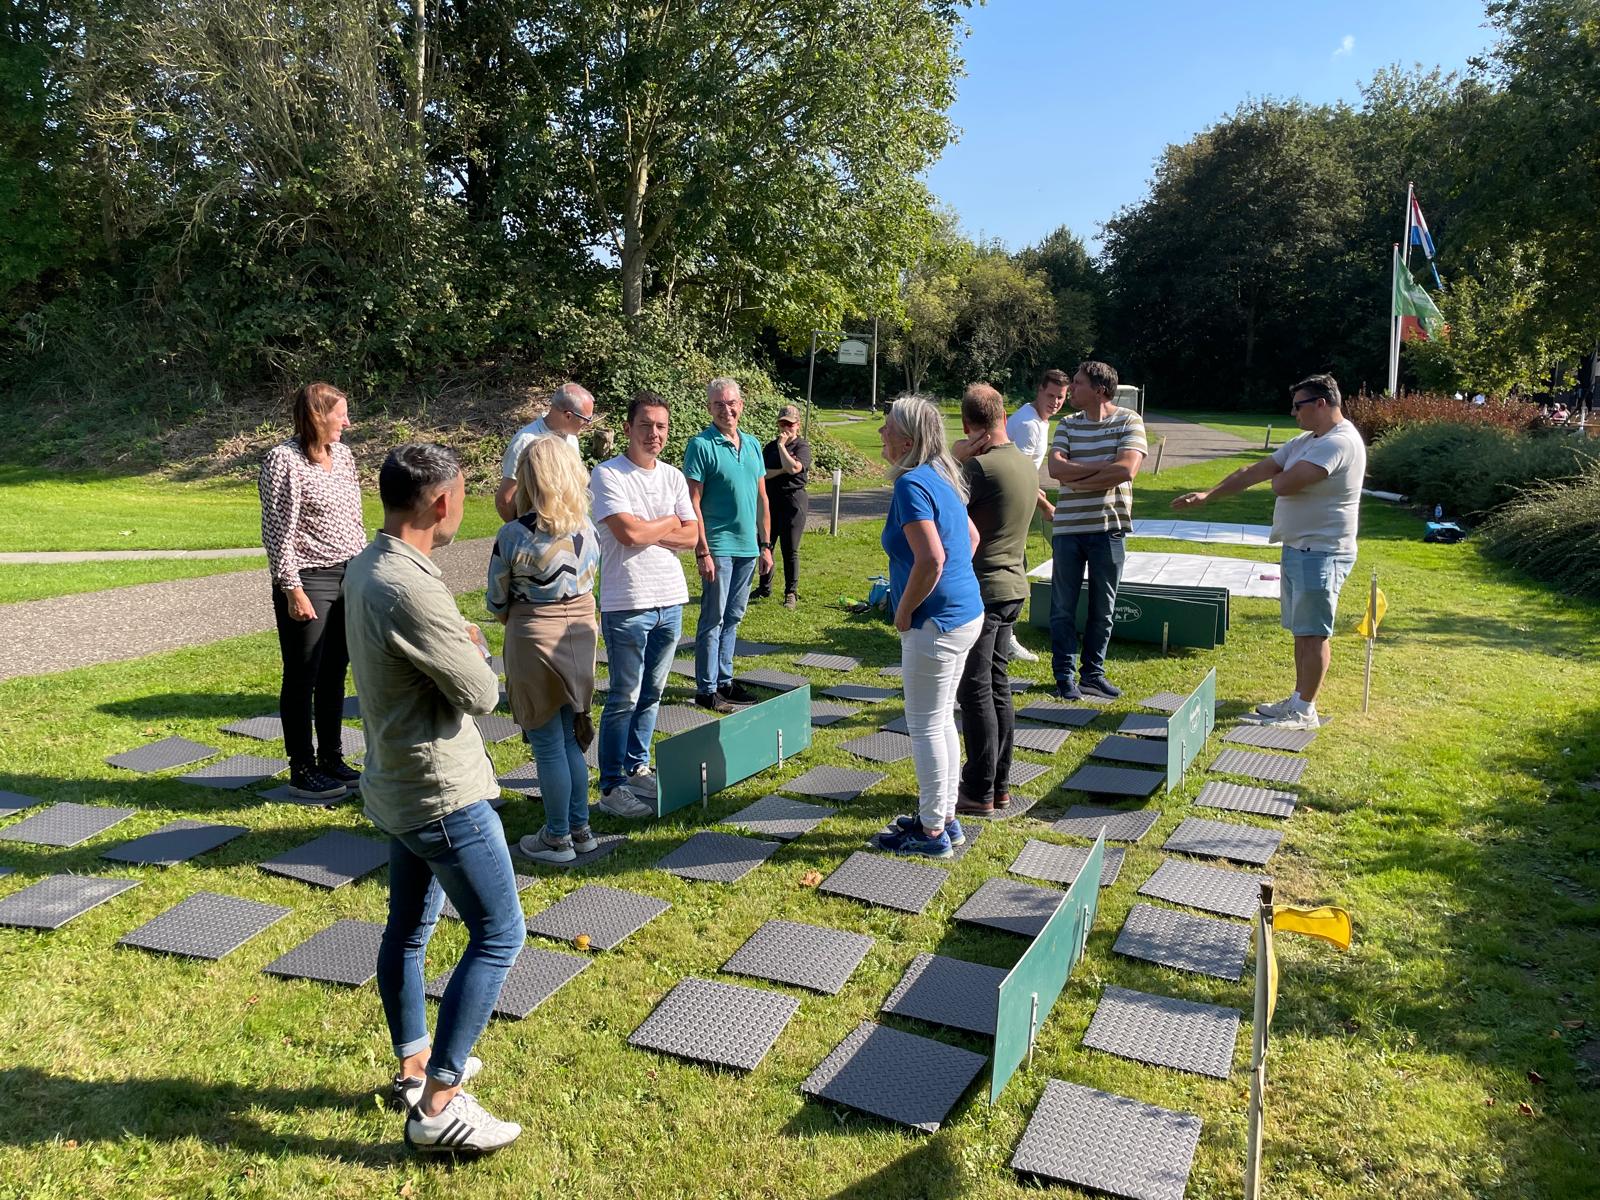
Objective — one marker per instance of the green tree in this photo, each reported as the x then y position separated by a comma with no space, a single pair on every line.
1078,291
1005,316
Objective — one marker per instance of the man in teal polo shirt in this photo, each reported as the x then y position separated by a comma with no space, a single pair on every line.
727,486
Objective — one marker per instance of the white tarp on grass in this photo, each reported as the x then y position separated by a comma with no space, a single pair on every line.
1204,531
1241,576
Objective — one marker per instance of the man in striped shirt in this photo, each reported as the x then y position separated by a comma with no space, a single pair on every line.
1097,451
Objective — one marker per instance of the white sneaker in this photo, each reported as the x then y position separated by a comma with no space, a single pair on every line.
406,1090
1020,652
583,839
644,775
620,802
538,848
1295,720
1276,708
462,1127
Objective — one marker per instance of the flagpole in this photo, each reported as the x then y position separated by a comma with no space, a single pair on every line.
1372,637
1258,1053
1394,325
1405,234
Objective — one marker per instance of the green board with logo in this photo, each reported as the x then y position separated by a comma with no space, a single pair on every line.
1189,727
1140,615
702,761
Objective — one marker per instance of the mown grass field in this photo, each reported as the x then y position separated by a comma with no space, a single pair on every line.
1451,820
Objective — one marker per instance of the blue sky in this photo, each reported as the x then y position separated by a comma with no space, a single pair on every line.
1067,104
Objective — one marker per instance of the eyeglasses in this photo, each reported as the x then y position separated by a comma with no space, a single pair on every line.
1296,405
576,415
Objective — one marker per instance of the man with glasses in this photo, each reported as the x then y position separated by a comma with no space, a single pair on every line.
571,411
1317,479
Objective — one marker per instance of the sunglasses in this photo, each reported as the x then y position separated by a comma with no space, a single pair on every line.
1296,405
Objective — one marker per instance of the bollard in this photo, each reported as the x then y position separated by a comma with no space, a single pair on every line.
1160,446
1267,445
838,486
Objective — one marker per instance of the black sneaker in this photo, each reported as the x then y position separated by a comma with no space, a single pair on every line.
713,701
311,784
337,768
1099,685
737,693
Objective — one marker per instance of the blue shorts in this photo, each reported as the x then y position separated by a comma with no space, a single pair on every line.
1309,589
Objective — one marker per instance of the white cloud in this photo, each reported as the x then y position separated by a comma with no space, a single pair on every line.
1346,45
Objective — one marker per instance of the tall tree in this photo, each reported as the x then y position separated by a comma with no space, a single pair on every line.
1078,291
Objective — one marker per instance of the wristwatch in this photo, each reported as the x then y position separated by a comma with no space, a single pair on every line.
764,545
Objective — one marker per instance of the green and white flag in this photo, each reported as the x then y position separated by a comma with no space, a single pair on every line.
1420,317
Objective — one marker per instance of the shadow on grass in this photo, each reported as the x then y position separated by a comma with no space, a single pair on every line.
164,706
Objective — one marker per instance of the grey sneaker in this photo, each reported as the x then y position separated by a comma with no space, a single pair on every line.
1306,720
583,840
1276,708
620,802
406,1090
461,1127
541,847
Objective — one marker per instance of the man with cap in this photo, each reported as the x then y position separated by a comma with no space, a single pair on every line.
788,463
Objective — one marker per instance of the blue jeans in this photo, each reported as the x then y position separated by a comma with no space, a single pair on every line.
1102,554
640,644
722,604
563,775
464,856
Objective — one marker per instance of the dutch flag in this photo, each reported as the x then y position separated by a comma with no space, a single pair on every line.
1421,238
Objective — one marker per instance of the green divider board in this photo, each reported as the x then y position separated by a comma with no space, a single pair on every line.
734,748
1042,971
1189,727
1199,595
1195,617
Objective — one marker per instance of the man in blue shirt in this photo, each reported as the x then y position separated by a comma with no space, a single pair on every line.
727,486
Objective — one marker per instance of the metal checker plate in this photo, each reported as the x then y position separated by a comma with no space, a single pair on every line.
679,718
537,975
236,771
1061,864
826,712
160,756
780,817
352,742
1114,781
263,729
744,649
773,681
839,784
1240,797
345,952
888,882
330,861
608,843
969,839
1131,750
1086,821
352,708
1108,1143
206,925
1024,773
1039,738
717,857
948,991
898,725
1018,806
894,672
522,779
57,899
174,842
13,802
860,691
880,747
808,956
683,667
1202,945
901,1077
1257,764
608,915
723,1023
1268,738
1165,1032
496,728
1057,712
523,882
828,662
1221,839
1144,725
1014,907
64,824
1214,889
1167,702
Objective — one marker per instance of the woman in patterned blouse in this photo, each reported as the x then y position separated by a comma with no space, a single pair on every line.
541,587
311,526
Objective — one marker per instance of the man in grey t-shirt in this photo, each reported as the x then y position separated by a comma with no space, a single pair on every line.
1317,477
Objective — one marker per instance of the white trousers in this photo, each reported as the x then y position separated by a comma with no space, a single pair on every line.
931,661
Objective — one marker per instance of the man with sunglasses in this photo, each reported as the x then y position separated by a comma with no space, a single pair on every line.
571,411
1317,479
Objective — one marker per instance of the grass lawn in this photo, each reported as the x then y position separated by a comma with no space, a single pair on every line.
1251,425
1450,820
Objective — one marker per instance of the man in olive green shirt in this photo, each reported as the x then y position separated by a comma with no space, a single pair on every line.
422,673
1002,493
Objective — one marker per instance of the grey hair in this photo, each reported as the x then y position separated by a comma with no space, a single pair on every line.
413,474
570,398
723,383
918,418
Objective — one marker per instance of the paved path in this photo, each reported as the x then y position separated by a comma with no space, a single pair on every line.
41,636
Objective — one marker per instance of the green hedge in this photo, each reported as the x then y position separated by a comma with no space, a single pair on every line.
1552,531
1473,469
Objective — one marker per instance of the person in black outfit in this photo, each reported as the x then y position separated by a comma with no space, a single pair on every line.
788,461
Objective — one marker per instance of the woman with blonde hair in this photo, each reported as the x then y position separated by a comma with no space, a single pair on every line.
938,610
541,587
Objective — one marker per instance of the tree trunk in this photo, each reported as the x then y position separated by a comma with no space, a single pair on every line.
635,253
414,102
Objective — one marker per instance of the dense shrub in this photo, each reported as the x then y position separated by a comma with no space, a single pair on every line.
1472,469
1375,415
1552,531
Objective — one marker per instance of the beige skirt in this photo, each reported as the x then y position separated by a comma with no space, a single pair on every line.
549,657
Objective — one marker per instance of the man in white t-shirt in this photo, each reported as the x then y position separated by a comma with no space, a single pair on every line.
570,412
1031,428
644,520
1317,477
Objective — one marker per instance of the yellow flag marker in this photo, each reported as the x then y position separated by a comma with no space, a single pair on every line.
1377,609
1329,924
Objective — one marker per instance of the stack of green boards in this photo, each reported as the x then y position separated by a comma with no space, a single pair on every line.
1190,616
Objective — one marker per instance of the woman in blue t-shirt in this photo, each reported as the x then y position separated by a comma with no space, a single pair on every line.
937,609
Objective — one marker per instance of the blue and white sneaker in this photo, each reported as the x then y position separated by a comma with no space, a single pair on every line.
952,828
915,842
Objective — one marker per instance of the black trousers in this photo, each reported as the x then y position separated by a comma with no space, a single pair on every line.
984,697
314,663
788,523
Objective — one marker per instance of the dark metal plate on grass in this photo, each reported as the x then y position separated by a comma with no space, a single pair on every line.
174,842
57,899
345,952
894,672
1201,945
236,771
808,956
607,915
1267,737
1039,738
860,691
1143,725
1061,864
1014,907
678,718
1024,773
826,712
1258,764
901,1077
1222,839
1167,702
839,784
523,882
880,747
161,756
263,729
887,882
773,681
948,991
718,857
828,662
1214,889
537,975
744,649
352,742
206,925
1086,821
64,824
1165,1032
722,1023
683,667
352,708
522,779
330,861
496,728
780,817
1239,797
15,802
1131,750
1114,781
1018,806
1057,712
1108,1143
